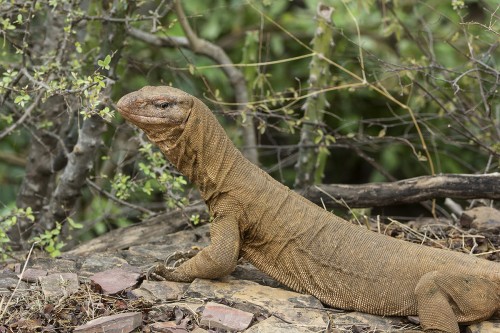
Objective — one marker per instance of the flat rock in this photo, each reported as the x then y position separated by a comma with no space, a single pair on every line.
54,265
168,327
99,262
8,282
147,254
114,280
246,271
483,219
118,323
168,311
190,305
32,274
224,317
363,320
275,325
249,296
199,330
59,284
491,326
161,290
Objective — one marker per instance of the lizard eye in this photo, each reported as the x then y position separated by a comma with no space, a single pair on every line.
165,105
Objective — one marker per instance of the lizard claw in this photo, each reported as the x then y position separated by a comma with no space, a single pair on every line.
158,272
164,271
180,257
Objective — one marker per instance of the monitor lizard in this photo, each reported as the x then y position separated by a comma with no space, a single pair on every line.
297,242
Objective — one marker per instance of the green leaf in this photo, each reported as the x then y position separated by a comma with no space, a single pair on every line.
147,188
78,47
74,224
22,99
421,157
104,63
6,25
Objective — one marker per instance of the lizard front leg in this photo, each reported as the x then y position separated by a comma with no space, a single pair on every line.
216,260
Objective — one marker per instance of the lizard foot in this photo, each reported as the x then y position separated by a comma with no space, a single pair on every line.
157,271
160,272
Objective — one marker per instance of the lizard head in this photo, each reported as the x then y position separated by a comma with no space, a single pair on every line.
161,112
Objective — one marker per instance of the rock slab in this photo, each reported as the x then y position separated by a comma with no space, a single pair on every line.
492,326
161,290
118,323
367,321
275,325
59,284
168,327
32,274
224,317
292,307
114,280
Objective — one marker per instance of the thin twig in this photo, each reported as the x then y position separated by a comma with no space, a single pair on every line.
25,115
360,50
375,86
117,200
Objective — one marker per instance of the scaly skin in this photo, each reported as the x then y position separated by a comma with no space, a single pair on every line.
298,243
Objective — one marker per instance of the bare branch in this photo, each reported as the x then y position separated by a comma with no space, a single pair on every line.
117,200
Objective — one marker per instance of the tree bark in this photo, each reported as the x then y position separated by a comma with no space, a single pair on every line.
46,156
457,186
80,162
82,158
312,159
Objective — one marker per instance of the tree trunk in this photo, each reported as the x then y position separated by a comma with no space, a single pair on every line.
312,156
46,155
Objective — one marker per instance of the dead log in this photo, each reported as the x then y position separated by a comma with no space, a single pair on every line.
149,231
456,186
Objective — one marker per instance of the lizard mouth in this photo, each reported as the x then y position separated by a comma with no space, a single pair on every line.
143,119
151,119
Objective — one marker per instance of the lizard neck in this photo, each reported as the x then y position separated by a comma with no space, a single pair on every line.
205,154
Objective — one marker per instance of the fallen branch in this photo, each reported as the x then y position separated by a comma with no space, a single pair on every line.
457,186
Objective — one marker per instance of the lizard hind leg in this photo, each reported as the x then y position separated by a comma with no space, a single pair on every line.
445,299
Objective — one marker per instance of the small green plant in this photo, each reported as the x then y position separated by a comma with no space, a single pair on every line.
50,241
6,223
195,219
123,186
160,178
